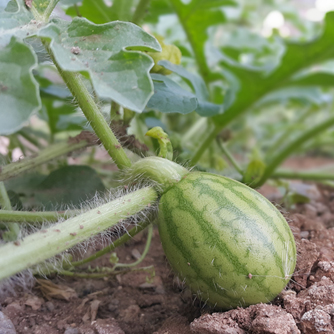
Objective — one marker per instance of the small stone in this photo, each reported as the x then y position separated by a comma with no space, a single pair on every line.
71,330
107,326
6,325
304,234
49,305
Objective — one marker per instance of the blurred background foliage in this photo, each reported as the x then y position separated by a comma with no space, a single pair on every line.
232,61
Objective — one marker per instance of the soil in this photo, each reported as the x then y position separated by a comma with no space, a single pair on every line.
138,302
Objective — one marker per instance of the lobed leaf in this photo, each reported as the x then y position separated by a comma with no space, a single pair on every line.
19,94
98,11
253,85
204,108
169,97
16,20
108,55
196,17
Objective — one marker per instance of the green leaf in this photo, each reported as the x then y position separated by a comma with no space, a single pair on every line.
254,85
61,116
16,20
193,80
196,17
158,8
19,93
98,11
204,108
102,53
169,97
69,185
312,95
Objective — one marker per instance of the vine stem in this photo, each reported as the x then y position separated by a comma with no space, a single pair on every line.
120,241
47,11
178,6
292,146
230,157
42,245
92,113
306,176
206,143
142,257
140,11
43,156
14,229
29,217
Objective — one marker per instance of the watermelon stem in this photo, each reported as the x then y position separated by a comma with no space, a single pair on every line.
163,172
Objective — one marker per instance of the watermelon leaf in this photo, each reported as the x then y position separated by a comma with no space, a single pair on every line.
102,53
253,85
19,93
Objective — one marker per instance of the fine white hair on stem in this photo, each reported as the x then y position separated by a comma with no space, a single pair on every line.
102,239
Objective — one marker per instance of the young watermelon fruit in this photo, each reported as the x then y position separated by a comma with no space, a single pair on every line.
227,242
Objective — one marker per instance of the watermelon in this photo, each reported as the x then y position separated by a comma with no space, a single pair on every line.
226,242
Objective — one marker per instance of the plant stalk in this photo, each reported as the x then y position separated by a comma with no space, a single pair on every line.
140,11
29,217
93,114
230,157
43,156
305,176
14,229
179,9
46,243
142,257
120,241
46,12
205,144
293,146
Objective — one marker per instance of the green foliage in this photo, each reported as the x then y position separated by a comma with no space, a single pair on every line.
238,88
251,85
18,88
98,52
98,12
68,185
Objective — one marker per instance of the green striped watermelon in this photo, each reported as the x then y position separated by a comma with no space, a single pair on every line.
227,242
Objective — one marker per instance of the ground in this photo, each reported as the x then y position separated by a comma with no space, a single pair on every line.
136,303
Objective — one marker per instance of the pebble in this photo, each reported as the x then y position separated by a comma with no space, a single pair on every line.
71,330
50,306
6,325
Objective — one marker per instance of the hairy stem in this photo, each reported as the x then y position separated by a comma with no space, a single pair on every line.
93,114
140,11
43,156
14,229
29,217
120,241
142,257
42,245
293,146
